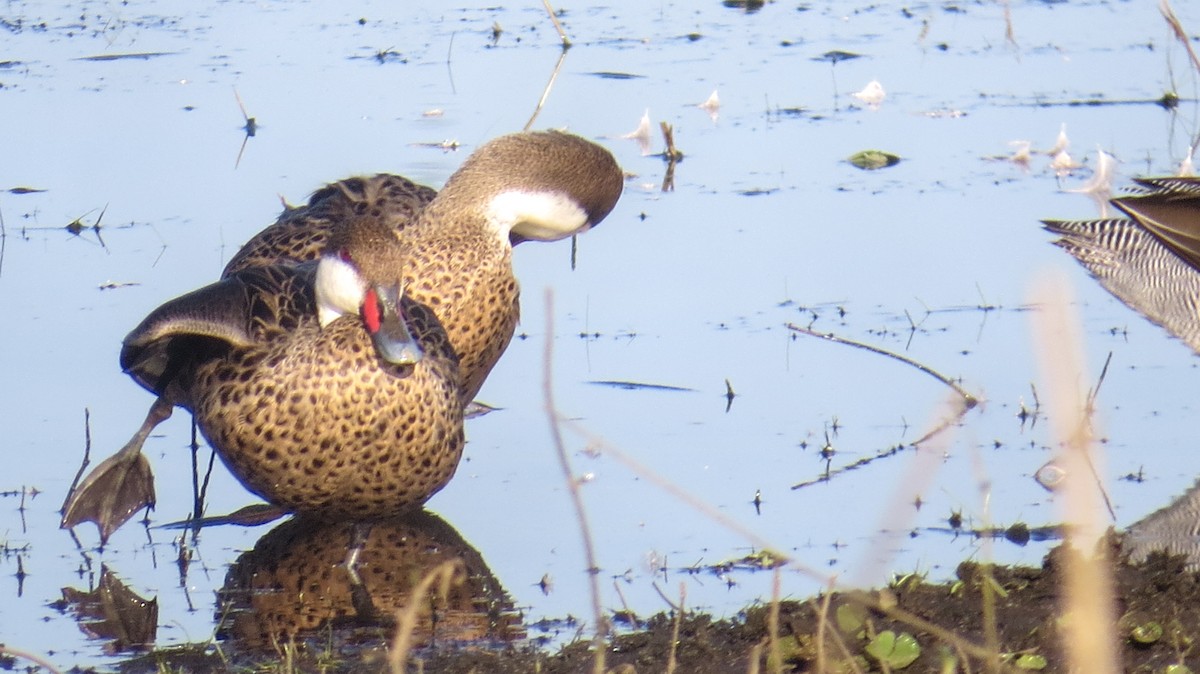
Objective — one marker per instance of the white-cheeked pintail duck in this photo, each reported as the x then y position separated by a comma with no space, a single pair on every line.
330,365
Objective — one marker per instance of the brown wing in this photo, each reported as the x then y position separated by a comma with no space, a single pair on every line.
300,234
246,308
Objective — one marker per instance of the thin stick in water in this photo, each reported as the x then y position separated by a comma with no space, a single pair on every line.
36,659
601,628
672,662
1180,34
562,34
546,91
969,400
87,456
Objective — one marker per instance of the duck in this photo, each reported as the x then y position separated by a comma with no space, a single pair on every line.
370,302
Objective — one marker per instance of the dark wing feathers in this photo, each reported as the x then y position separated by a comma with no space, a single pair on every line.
242,310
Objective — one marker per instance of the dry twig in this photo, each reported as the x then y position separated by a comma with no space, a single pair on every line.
969,400
1168,13
445,574
35,659
562,34
601,629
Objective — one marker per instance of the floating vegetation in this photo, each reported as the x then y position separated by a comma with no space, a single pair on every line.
389,55
837,56
113,285
871,160
749,6
448,145
793,111
755,561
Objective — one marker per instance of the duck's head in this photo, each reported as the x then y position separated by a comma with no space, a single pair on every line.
359,274
539,185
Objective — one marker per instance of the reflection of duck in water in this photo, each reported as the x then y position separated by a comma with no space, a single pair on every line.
203,350
1149,260
1174,530
292,586
113,613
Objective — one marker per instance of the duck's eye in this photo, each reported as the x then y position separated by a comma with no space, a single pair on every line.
344,255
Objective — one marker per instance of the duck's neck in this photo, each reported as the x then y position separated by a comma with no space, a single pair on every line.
543,215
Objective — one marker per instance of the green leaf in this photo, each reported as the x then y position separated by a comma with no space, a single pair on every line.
895,651
851,618
1177,669
1031,661
1146,633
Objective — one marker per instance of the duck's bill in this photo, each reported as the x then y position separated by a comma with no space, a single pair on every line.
385,323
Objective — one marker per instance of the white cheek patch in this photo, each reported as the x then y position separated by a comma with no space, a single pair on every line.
339,289
539,216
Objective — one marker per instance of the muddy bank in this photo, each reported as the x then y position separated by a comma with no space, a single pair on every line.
934,624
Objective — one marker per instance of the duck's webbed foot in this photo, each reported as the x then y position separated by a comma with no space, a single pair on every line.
120,486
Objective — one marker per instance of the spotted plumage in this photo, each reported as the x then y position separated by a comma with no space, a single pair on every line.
294,587
357,416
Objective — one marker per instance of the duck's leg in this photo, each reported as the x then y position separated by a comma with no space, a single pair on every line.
360,596
121,485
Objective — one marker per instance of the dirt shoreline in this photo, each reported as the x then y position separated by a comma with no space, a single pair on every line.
1158,609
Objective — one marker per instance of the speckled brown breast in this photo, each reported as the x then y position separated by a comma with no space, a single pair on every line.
314,421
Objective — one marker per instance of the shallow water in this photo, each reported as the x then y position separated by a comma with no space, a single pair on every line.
767,224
